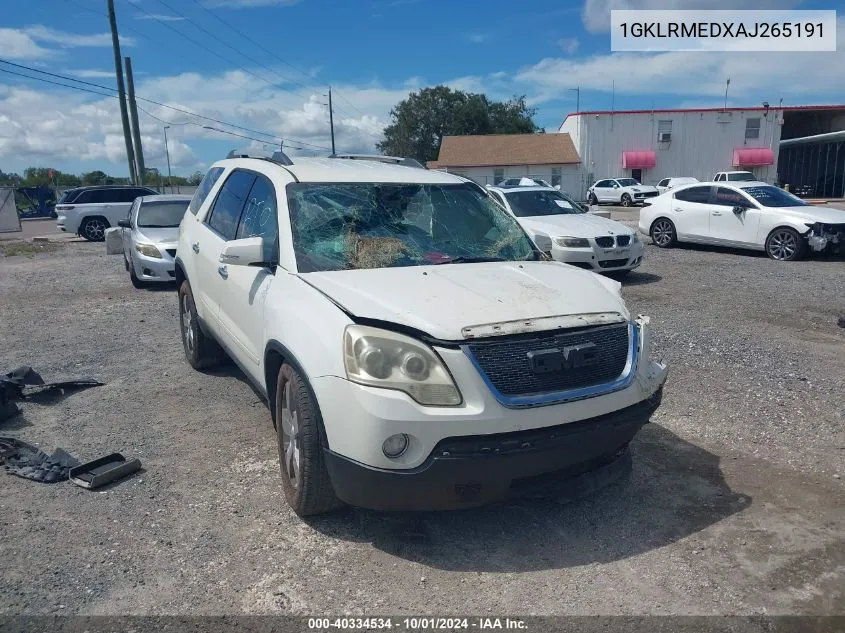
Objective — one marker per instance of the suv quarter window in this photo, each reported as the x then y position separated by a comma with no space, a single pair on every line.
225,213
260,217
694,194
204,188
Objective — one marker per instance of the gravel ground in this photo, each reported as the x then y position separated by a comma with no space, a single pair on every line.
734,504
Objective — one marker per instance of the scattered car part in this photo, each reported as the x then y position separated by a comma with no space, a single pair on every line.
29,462
13,383
104,470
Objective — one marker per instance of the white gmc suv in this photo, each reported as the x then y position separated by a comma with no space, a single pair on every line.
416,349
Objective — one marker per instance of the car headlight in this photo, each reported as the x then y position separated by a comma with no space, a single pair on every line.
381,358
149,250
572,242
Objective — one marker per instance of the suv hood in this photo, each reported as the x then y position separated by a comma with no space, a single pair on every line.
574,225
444,300
642,188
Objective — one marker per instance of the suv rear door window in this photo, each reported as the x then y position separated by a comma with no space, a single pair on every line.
694,194
205,186
224,215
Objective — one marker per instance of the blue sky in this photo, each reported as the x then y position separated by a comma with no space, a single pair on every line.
372,51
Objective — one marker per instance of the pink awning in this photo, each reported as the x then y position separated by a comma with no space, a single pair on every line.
638,160
751,157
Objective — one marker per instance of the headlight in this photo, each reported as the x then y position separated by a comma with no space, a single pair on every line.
381,358
572,242
149,250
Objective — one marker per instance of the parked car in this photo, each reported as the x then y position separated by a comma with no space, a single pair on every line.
750,215
150,235
416,350
562,228
89,211
668,183
735,176
624,191
524,181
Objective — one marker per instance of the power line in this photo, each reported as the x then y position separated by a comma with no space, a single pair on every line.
139,98
263,48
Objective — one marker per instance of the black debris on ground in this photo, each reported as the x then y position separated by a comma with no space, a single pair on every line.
29,462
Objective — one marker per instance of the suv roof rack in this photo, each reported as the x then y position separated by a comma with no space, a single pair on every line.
276,157
393,160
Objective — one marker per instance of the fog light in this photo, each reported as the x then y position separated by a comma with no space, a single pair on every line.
395,445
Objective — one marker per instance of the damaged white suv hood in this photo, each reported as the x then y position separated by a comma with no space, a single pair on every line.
451,301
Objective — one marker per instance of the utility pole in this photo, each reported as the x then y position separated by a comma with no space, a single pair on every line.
727,85
331,118
121,93
136,129
577,99
167,153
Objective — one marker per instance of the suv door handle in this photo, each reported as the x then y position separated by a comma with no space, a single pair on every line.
196,247
223,272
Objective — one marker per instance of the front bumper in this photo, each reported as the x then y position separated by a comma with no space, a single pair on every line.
152,269
469,471
600,259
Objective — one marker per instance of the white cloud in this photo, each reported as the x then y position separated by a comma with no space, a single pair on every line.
596,13
19,45
158,16
91,73
476,37
569,44
697,74
52,36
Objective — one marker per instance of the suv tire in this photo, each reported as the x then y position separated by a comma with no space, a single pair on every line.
305,480
593,200
94,228
626,200
201,350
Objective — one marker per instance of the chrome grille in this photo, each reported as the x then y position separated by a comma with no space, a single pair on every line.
506,365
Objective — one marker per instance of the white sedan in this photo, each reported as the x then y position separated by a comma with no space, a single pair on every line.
562,227
624,191
750,215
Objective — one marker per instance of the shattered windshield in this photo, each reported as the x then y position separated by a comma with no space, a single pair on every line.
342,226
526,204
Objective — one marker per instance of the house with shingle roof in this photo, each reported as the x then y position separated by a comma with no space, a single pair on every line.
491,158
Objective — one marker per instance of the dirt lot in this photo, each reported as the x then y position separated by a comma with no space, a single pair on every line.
735,503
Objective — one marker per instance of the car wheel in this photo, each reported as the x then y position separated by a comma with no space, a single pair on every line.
134,278
201,350
785,245
94,229
305,480
663,233
626,200
593,199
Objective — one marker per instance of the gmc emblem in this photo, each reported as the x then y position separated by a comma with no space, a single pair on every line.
547,361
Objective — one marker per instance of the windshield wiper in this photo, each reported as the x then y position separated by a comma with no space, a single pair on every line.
469,260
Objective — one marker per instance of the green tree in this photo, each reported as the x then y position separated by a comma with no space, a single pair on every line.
195,179
95,177
9,179
419,123
35,176
69,180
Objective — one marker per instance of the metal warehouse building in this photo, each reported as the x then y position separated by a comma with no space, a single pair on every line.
799,146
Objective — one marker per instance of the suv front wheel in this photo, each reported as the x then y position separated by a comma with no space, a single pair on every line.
305,480
201,350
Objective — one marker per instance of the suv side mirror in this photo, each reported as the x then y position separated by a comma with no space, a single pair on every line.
243,252
124,224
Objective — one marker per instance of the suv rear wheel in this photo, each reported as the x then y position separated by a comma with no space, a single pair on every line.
94,229
305,480
201,351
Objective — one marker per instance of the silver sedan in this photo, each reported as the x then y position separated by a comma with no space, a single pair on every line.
150,235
